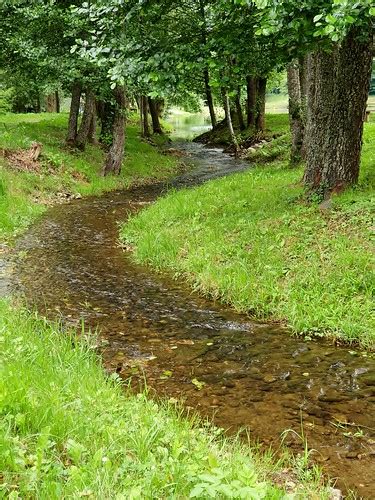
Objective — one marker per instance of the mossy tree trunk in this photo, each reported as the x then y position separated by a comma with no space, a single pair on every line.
106,115
337,97
73,114
115,155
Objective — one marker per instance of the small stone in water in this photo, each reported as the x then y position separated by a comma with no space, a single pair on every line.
269,378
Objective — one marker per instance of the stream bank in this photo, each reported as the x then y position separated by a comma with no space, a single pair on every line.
240,372
66,428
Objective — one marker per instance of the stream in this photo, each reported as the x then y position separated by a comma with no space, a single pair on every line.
241,373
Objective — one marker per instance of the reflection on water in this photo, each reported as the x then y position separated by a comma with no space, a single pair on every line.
188,125
249,374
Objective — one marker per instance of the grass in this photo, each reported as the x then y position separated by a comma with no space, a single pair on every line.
67,429
24,195
250,240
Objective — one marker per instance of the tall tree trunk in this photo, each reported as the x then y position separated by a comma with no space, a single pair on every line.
84,129
106,114
145,124
297,127
92,129
159,105
140,109
239,113
37,105
73,114
303,71
337,97
57,100
50,101
209,98
156,127
115,155
228,117
206,74
260,118
251,87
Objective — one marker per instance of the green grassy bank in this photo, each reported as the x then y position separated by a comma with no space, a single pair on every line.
252,241
62,173
68,430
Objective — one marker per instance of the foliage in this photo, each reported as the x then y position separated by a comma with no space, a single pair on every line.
301,25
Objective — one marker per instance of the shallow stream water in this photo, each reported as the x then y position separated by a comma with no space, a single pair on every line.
222,364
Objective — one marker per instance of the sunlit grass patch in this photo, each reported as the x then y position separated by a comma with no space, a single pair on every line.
67,430
23,194
252,241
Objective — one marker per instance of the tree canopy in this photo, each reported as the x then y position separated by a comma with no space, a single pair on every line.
219,51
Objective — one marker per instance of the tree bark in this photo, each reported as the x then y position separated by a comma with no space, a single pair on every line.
206,74
73,114
84,129
57,100
239,113
145,124
106,114
228,117
159,105
50,101
251,87
156,126
260,118
337,97
115,155
92,129
209,98
296,123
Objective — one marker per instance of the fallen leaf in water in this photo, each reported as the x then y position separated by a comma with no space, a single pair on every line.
198,384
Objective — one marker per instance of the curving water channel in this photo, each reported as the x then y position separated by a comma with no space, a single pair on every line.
249,374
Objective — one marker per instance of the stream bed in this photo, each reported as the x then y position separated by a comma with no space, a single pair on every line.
222,364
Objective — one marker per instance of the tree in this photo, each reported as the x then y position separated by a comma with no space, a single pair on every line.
339,38
296,114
